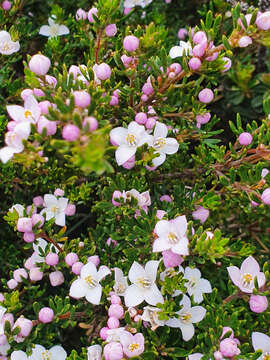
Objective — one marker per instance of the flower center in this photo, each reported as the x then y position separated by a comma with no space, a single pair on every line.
90,281
131,140
266,356
55,209
27,114
144,282
159,143
186,317
6,46
46,355
247,279
54,30
120,288
133,347
173,239
192,282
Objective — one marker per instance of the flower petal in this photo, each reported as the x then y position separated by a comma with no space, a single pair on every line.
151,269
89,269
118,135
161,130
16,112
58,353
124,153
234,274
162,228
157,161
133,296
171,146
251,266
136,271
161,244
50,200
60,219
102,272
63,30
32,104
6,153
93,295
187,331
198,313
176,51
78,289
37,352
18,355
5,36
260,341
153,296
45,30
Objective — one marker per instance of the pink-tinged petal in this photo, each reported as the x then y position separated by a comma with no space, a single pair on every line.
4,36
89,269
49,200
18,355
162,228
102,272
234,274
161,130
118,135
187,331
62,203
261,279
181,248
124,153
157,161
189,273
250,266
260,341
58,353
144,138
171,146
23,129
176,51
78,289
151,269
60,219
94,295
153,296
133,296
45,30
126,338
205,286
179,225
139,339
185,302
136,129
63,30
197,313
32,105
37,352
6,153
136,271
16,112
161,244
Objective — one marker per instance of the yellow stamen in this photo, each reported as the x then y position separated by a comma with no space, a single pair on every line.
173,239
247,278
144,282
90,281
133,347
131,140
46,355
28,113
159,143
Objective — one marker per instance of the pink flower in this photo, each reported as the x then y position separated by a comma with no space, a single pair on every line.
30,112
244,277
133,345
172,236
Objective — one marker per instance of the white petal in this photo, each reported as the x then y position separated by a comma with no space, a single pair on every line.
187,331
198,313
179,225
16,112
185,302
205,286
37,352
102,272
181,248
40,243
162,228
62,203
136,129
18,355
78,289
23,129
63,30
133,296
45,30
4,36
153,296
251,266
93,295
161,244
89,269
118,135
51,21
157,161
58,353
124,153
151,269
136,271
32,104
176,51
161,130
6,153
192,273
50,200
174,323
60,219
171,146
260,341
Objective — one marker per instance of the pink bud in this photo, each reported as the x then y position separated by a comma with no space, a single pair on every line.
175,68
228,347
71,258
127,10
116,195
199,49
263,21
25,325
39,64
206,96
94,259
25,93
141,118
114,101
245,139
160,214
82,98
200,214
131,43
147,88
35,274
113,351
44,107
137,318
6,5
265,197
199,37
171,259
110,242
19,274
115,299
218,355
70,210
31,209
244,41
24,224
194,63
182,33
49,126
258,304
228,63
29,237
144,97
113,323
116,310
29,264
37,218
2,298
103,333
91,123
38,92
165,198
52,259
204,118
76,267
38,201
8,317
51,80
126,60
103,71
111,30
150,123
46,315
90,14
70,132
56,278
80,15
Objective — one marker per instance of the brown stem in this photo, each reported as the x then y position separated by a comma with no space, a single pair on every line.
46,237
98,42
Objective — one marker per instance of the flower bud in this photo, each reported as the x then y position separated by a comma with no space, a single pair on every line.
150,123
116,195
265,197
38,201
147,88
70,132
25,326
29,237
228,347
228,63
113,323
92,11
94,259
76,267
116,310
6,5
46,315
113,351
44,106
70,210
37,219
244,41
71,258
51,259
29,264
103,71
56,278
50,126
81,98
131,43
258,303
182,33
206,96
245,139
39,64
115,299
200,214
103,333
199,37
111,30
90,122
141,118
194,63
160,214
35,274
203,119
24,224
19,273
171,259
80,15
166,198
263,21
199,49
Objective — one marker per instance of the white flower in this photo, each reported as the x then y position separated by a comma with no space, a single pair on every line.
132,3
195,356
184,48
162,144
55,208
114,334
128,140
172,236
7,46
14,140
196,286
41,243
261,342
143,285
150,314
53,29
18,208
121,283
5,347
187,316
87,285
94,352
30,112
40,353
